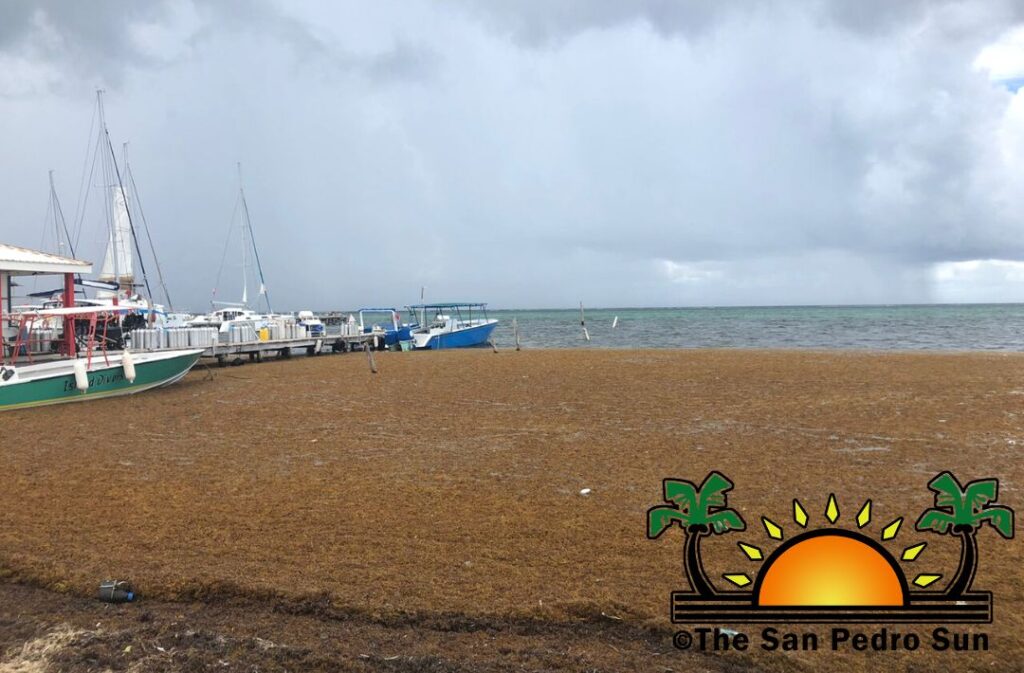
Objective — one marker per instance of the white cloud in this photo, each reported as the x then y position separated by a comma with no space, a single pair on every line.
1003,59
693,272
979,281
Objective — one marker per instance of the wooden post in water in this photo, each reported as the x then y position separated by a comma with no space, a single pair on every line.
369,356
583,323
515,332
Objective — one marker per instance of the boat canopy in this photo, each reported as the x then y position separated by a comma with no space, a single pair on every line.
451,304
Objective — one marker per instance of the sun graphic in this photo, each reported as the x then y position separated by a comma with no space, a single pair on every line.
830,566
832,573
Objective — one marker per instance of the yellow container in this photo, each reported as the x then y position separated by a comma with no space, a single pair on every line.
264,334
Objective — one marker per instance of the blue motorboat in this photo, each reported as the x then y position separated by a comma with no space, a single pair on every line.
391,328
452,325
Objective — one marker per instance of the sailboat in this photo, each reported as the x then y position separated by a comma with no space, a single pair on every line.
118,267
239,314
116,284
117,272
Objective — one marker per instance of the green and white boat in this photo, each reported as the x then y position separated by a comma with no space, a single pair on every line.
93,374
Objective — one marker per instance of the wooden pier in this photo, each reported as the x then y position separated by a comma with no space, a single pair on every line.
226,353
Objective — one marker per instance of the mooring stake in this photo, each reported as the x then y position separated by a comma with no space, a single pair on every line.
369,356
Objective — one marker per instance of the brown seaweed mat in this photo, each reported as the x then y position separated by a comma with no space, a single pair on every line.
308,515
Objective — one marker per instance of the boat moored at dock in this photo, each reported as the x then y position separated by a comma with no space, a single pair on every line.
452,325
226,318
90,374
391,330
310,324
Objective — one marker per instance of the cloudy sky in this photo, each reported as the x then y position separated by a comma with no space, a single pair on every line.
536,153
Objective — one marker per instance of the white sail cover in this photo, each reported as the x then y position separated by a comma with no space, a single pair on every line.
119,244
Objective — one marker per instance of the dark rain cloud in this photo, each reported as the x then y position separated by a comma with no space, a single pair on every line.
94,40
87,38
536,152
539,23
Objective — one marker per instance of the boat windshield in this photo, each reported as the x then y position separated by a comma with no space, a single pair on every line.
379,318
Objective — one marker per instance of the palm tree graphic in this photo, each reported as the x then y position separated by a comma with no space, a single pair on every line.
699,511
962,511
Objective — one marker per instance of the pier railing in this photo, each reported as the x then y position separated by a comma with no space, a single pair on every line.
248,340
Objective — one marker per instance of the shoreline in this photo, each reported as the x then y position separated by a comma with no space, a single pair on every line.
753,349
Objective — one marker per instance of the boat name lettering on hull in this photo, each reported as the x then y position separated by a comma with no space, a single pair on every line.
97,380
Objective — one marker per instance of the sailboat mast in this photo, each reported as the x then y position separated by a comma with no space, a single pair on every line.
125,248
245,256
112,250
60,225
55,209
247,227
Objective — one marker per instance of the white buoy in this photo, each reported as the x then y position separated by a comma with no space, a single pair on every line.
583,323
615,323
81,377
128,364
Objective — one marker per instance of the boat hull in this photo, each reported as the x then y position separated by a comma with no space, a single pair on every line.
104,381
463,338
403,333
392,337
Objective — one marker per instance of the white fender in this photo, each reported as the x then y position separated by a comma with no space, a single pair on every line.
81,377
128,363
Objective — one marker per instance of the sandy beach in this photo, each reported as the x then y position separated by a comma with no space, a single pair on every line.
307,514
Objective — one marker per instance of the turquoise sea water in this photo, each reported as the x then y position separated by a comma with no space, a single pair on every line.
930,327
